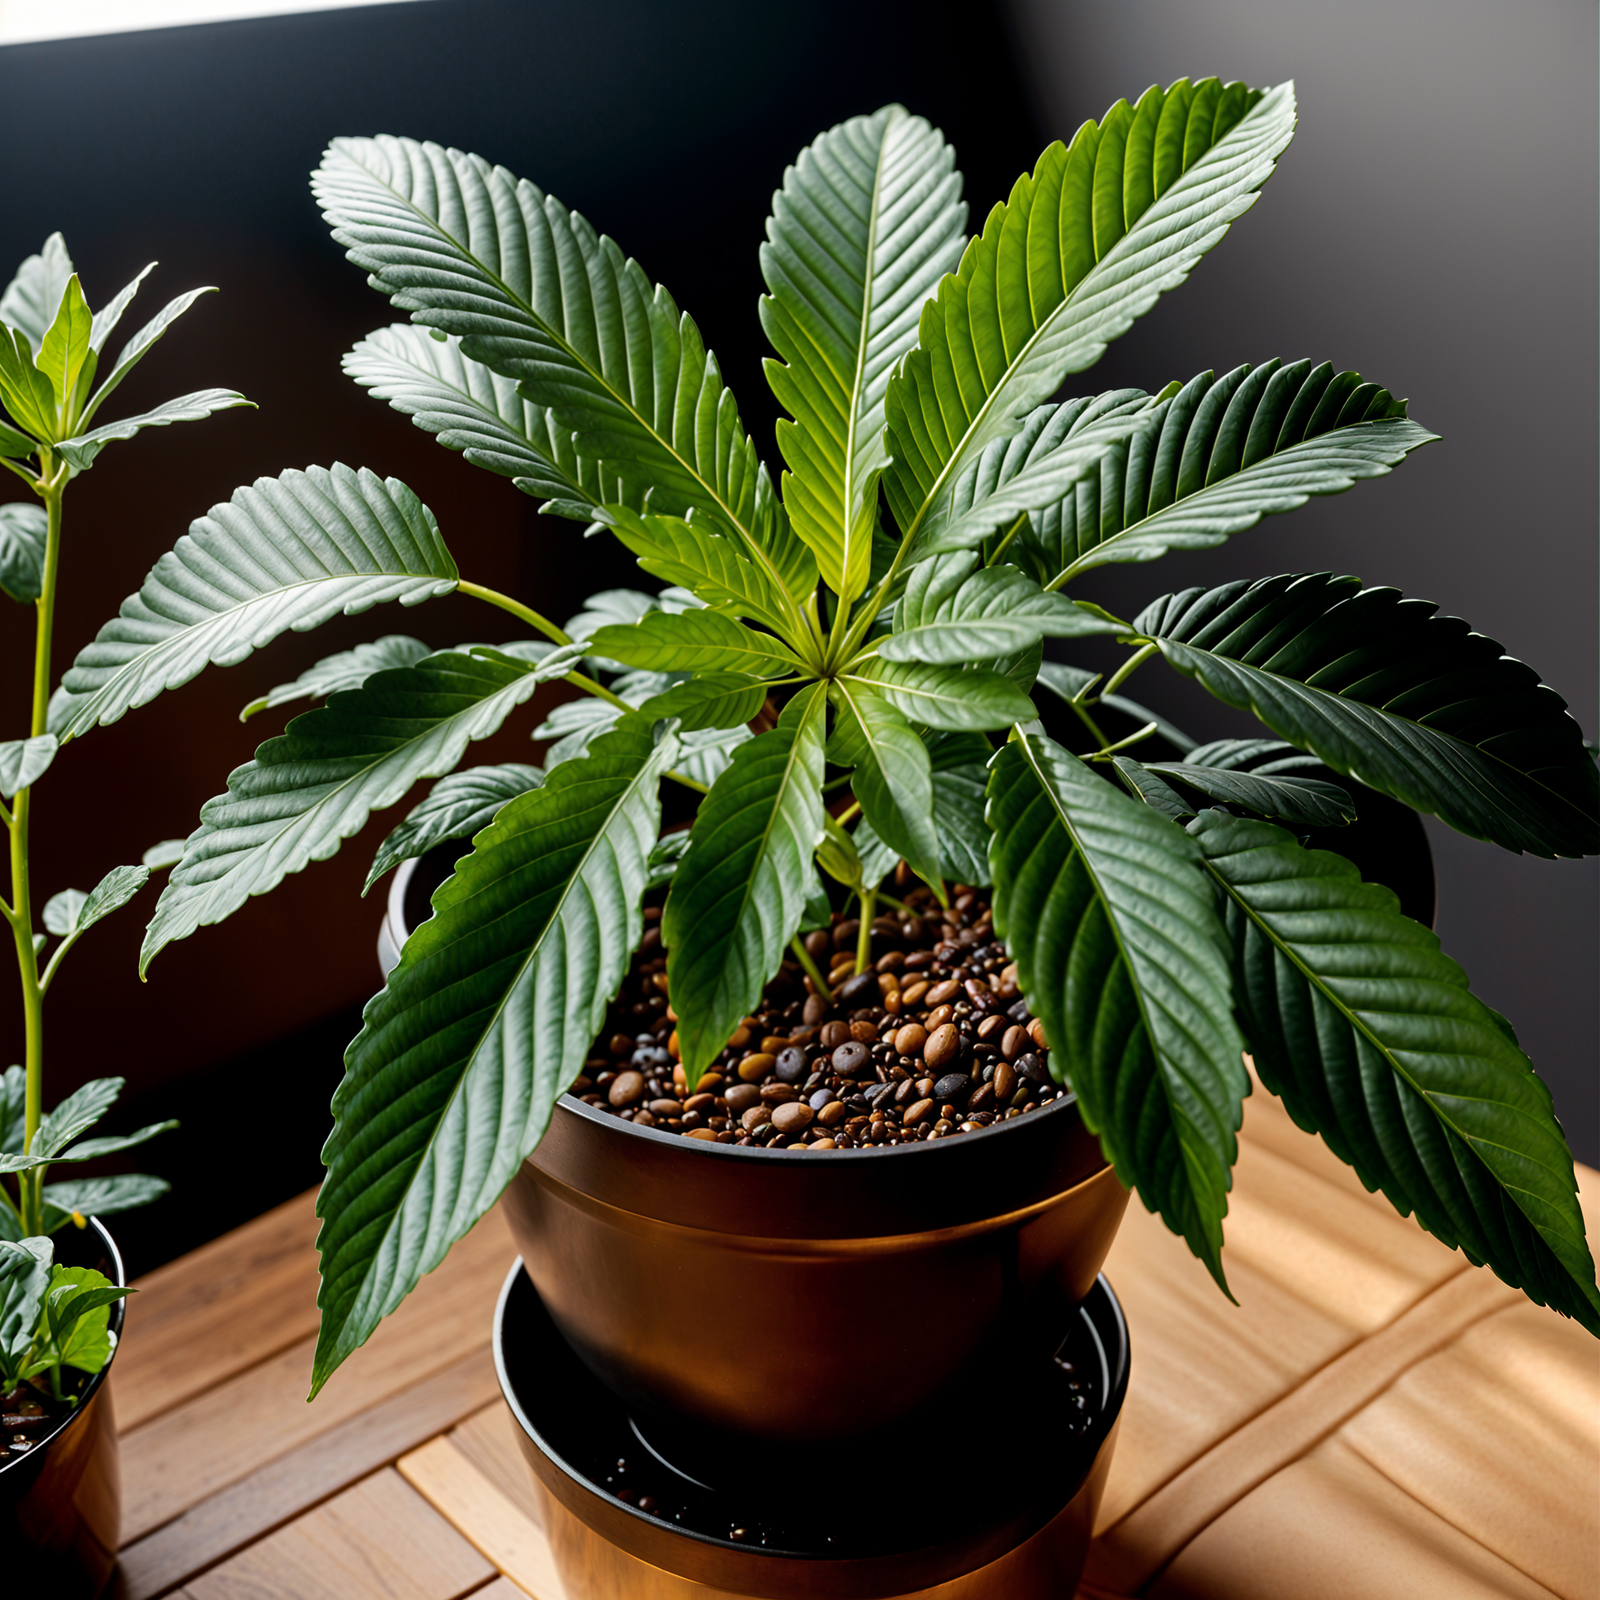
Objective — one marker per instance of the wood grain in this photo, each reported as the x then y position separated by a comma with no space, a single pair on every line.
488,1439
511,1540
282,1490
379,1540
235,1428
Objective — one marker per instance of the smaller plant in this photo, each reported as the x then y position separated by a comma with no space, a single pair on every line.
50,1317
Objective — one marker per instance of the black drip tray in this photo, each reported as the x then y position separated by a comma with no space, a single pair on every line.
1000,1458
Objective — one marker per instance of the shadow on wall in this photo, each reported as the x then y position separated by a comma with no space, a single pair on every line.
1433,226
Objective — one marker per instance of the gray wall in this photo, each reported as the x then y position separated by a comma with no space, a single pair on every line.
1433,225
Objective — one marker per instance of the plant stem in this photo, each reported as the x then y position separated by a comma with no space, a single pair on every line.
517,609
1106,751
811,969
869,909
1128,668
1083,716
1011,533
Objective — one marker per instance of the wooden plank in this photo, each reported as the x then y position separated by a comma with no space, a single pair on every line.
218,1438
488,1439
254,1507
501,1589
220,1309
478,1510
378,1539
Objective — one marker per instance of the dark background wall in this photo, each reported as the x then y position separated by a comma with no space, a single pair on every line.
1429,227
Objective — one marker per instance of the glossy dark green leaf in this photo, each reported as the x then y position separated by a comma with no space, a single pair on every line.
1287,796
1155,791
964,700
23,526
891,776
695,641
286,553
710,700
1408,703
24,1282
458,806
1368,1032
740,890
1111,919
484,1022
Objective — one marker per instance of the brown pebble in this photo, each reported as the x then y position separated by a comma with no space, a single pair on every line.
834,1034
1036,1033
822,1144
981,1096
938,1017
741,1097
739,1038
674,1049
854,991
701,1133
700,1102
774,1094
757,1066
581,1085
991,1025
792,1117
915,1112
818,943
913,992
643,1119
1005,1080
833,1113
621,1045
1011,1044
709,1082
941,1046
772,1044
942,992
658,981
814,1010
910,1039
864,1032
892,962
666,1108
888,984
754,1117
627,1089
892,1004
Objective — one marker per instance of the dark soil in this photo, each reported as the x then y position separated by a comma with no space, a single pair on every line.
29,1414
933,1040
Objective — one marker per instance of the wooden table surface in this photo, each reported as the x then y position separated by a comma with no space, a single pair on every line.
1376,1418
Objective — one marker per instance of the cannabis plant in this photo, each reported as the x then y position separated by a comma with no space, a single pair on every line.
51,349
846,664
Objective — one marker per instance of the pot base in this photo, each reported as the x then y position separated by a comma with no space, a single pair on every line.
994,1495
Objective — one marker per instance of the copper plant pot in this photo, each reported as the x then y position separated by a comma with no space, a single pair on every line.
1009,1515
61,1503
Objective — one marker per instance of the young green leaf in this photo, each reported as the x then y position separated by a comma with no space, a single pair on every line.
110,314
459,805
665,856
73,912
1110,918
1413,705
1288,796
24,1282
963,699
309,789
32,298
23,526
892,777
738,895
135,350
1217,457
484,1022
82,450
1083,247
26,391
348,669
541,298
867,222
1368,1032
950,614
24,761
65,347
77,1314
710,700
695,641
286,553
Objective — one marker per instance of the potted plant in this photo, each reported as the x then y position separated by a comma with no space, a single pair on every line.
61,1280
845,666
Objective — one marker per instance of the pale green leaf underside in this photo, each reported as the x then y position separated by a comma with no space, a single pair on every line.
347,669
459,805
24,761
23,526
484,1022
284,554
33,296
82,450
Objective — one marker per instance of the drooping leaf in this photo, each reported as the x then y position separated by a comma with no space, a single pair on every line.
738,894
1155,791
75,1115
480,413
484,1022
73,912
459,805
23,527
139,346
962,699
573,726
951,614
1268,755
892,777
286,553
536,295
1413,705
868,220
308,790
101,1197
24,1282
65,346
348,669
1217,457
24,761
111,1144
110,314
1109,915
82,450
1083,246
1288,796
1370,1035
695,641
32,298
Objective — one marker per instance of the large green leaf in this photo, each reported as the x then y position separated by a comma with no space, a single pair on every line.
892,776
1216,457
738,894
309,789
346,669
480,413
1083,246
950,613
459,805
23,526
868,220
484,1022
82,449
959,764
1113,925
1290,796
535,294
33,297
964,699
1368,1032
694,641
286,553
1413,705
